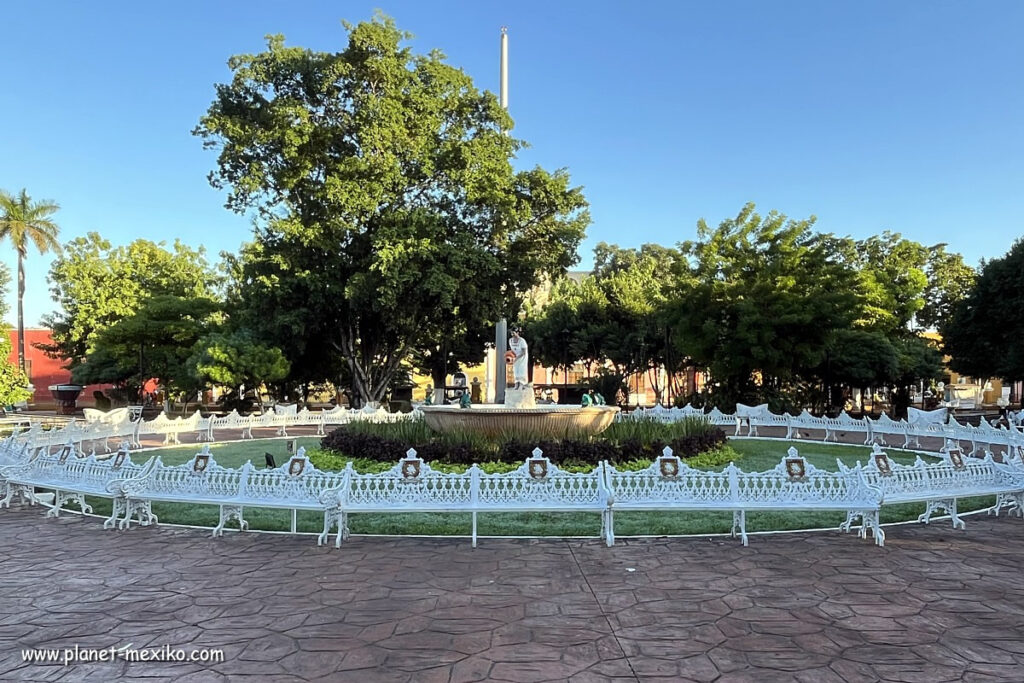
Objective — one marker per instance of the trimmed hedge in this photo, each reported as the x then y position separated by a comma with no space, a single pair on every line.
364,446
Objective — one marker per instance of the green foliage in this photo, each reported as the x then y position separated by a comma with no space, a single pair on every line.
235,359
25,222
860,358
651,430
616,314
392,218
5,283
949,281
611,385
97,285
762,296
723,455
983,334
891,281
621,442
13,381
155,341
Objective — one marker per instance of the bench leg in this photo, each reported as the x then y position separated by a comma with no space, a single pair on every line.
119,509
947,504
61,497
143,509
1014,502
25,492
851,515
342,529
331,517
871,522
474,529
227,513
739,521
608,527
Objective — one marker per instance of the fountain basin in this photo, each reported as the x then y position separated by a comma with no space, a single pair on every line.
552,421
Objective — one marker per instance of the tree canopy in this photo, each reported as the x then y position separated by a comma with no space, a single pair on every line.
388,202
759,302
156,341
237,361
983,333
96,285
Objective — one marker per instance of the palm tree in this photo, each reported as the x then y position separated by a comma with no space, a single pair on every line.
24,221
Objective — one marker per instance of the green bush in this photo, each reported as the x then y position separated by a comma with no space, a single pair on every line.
332,462
621,443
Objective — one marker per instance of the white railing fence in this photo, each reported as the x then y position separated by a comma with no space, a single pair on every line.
28,462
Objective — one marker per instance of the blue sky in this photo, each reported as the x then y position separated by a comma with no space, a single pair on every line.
870,115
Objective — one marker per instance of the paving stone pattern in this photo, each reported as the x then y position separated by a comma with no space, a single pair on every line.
932,605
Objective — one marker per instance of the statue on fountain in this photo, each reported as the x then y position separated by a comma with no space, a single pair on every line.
520,365
521,395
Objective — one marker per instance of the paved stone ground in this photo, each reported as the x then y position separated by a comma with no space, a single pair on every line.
932,605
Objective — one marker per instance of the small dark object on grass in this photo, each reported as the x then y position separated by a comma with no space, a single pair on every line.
270,461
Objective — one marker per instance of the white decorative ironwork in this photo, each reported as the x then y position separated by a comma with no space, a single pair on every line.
54,460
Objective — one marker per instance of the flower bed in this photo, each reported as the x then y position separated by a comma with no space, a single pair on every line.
695,440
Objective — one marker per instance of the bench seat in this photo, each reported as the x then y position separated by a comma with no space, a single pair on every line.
295,485
794,484
413,486
939,485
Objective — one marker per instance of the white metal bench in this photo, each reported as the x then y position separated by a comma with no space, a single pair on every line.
540,486
413,486
939,485
794,484
295,485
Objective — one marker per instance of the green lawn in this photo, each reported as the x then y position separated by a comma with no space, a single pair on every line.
764,454
756,455
233,454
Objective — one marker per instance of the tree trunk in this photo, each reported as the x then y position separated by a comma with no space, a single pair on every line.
21,312
438,376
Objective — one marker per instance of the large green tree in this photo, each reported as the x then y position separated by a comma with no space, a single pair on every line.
983,334
156,341
236,361
391,216
759,303
97,285
949,281
25,222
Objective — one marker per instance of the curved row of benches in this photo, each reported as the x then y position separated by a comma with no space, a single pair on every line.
536,486
747,420
117,425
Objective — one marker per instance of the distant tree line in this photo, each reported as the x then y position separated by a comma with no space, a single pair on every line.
773,311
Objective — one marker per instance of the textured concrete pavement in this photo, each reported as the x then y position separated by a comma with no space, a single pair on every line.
932,605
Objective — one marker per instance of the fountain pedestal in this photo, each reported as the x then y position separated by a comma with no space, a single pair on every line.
520,398
550,421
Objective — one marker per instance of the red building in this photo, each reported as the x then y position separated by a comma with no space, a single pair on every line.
44,371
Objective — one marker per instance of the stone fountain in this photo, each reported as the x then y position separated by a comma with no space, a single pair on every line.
520,414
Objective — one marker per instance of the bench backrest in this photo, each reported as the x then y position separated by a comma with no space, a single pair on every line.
411,483
296,481
540,483
201,478
792,483
668,480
